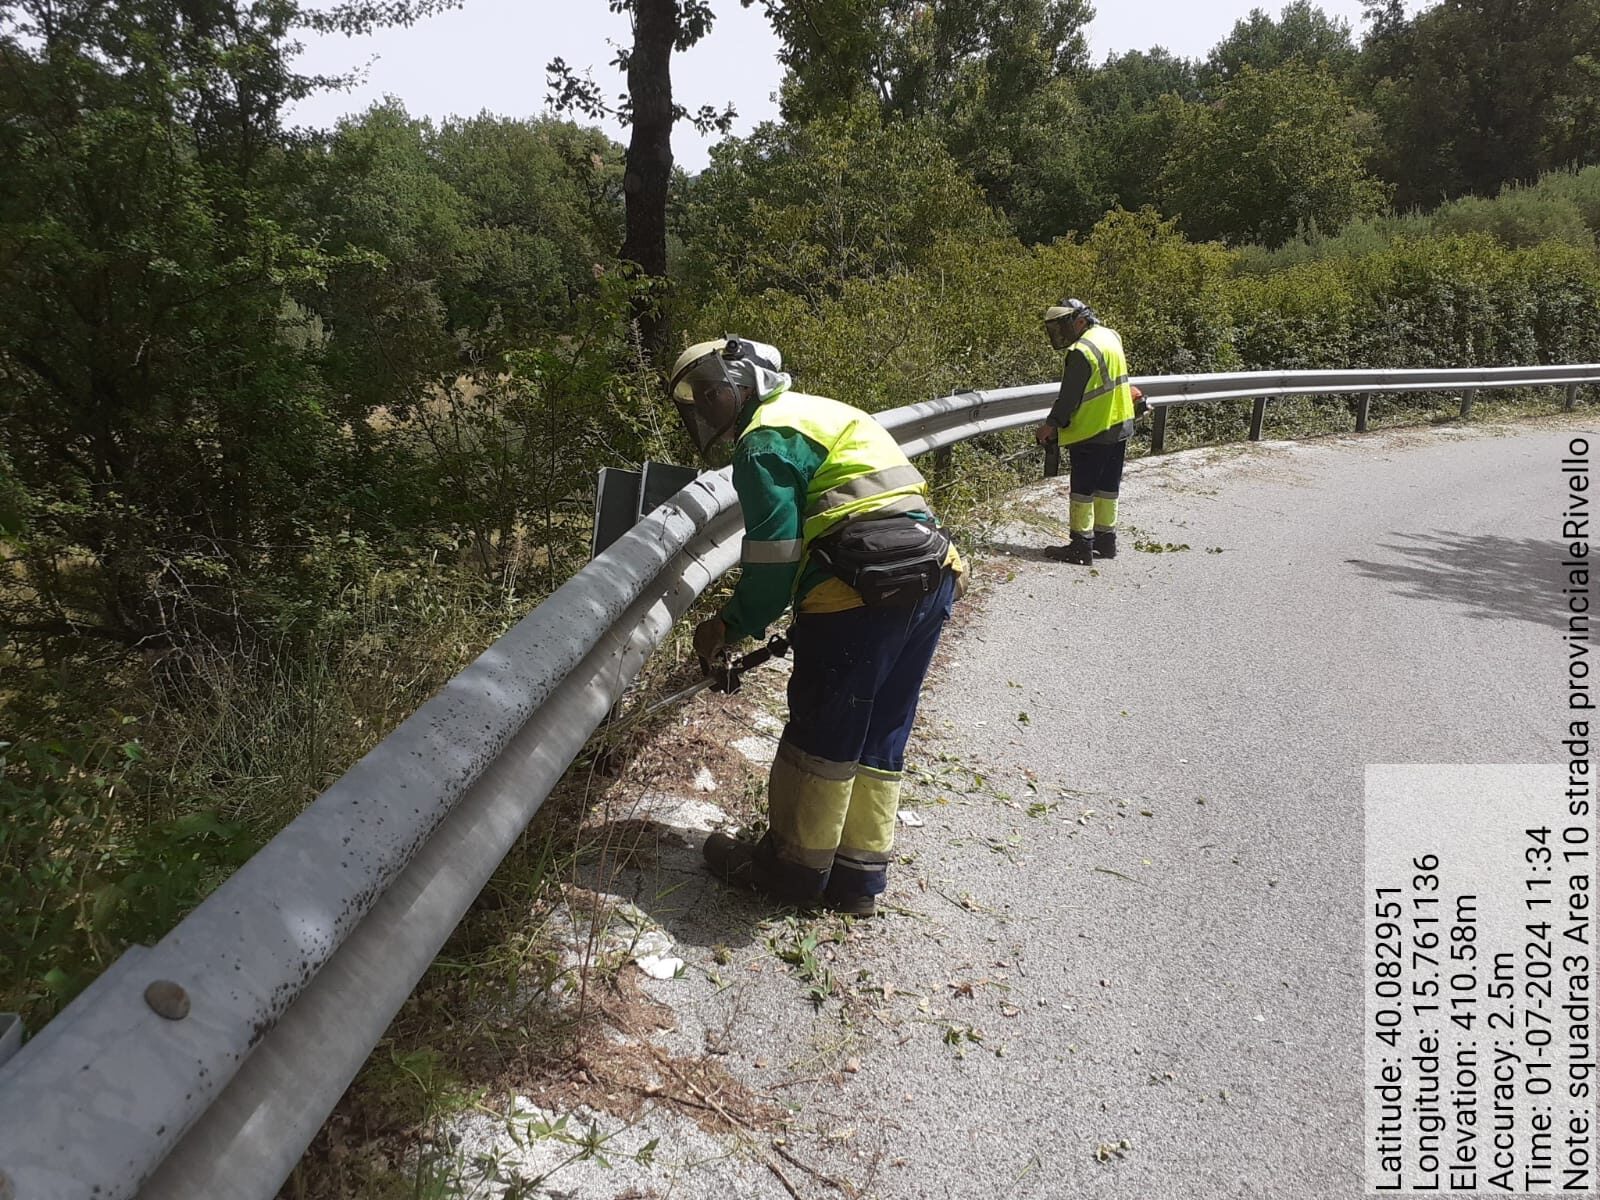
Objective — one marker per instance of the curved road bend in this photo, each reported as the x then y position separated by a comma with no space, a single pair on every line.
1191,980
1144,925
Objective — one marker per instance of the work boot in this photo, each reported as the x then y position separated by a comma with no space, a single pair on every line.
733,861
752,866
851,906
1105,543
1079,550
843,893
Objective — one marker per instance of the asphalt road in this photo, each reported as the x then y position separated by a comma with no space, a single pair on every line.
1125,952
1390,599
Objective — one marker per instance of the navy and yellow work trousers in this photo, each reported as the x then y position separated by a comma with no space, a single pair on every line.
1096,480
835,784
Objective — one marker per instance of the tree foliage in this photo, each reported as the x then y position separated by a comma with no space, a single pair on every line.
292,423
660,28
460,240
1473,94
158,400
1277,153
992,78
912,58
205,311
1134,82
1135,103
1301,33
804,209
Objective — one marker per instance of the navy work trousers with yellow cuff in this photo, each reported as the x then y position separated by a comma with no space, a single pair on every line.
835,784
1096,481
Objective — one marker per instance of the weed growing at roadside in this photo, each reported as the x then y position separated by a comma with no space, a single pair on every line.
801,949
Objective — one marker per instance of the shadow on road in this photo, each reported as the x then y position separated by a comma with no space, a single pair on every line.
657,866
1018,550
1491,578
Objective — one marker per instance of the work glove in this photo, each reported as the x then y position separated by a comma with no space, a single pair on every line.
1046,433
710,637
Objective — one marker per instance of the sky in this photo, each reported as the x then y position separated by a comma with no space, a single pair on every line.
491,55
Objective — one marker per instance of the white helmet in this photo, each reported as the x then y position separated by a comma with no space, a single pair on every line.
712,382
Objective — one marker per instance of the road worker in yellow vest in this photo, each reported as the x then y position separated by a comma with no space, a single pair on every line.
1093,418
837,525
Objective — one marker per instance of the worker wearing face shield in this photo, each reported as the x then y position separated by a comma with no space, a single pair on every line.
838,526
1093,418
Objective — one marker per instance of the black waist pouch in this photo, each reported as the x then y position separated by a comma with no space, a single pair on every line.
892,561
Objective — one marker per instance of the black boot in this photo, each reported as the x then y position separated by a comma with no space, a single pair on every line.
853,906
754,867
1105,543
846,891
1079,550
734,861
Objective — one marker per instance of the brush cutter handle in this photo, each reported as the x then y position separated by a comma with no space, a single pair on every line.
727,675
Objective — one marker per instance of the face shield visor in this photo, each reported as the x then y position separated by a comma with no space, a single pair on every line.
1060,331
708,394
713,381
1061,322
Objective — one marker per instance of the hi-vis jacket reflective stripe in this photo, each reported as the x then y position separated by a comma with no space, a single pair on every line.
802,465
863,471
1108,396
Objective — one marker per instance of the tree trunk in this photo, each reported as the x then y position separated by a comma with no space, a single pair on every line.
650,154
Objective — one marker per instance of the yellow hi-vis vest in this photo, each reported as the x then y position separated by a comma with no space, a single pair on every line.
1108,396
864,470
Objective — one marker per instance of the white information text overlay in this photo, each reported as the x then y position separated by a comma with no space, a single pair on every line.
1479,1048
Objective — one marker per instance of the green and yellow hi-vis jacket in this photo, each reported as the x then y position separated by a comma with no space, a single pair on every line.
804,464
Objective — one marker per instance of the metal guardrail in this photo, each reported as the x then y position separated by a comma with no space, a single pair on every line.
201,1067
1171,391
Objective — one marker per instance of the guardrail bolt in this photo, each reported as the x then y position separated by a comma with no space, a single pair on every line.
166,999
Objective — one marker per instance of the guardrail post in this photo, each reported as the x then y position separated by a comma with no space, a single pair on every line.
1363,408
941,461
1572,396
1158,430
1258,413
1466,402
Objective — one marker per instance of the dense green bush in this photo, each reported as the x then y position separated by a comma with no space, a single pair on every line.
971,317
1518,218
1183,308
1582,188
799,209
1563,206
85,870
1166,295
1451,301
